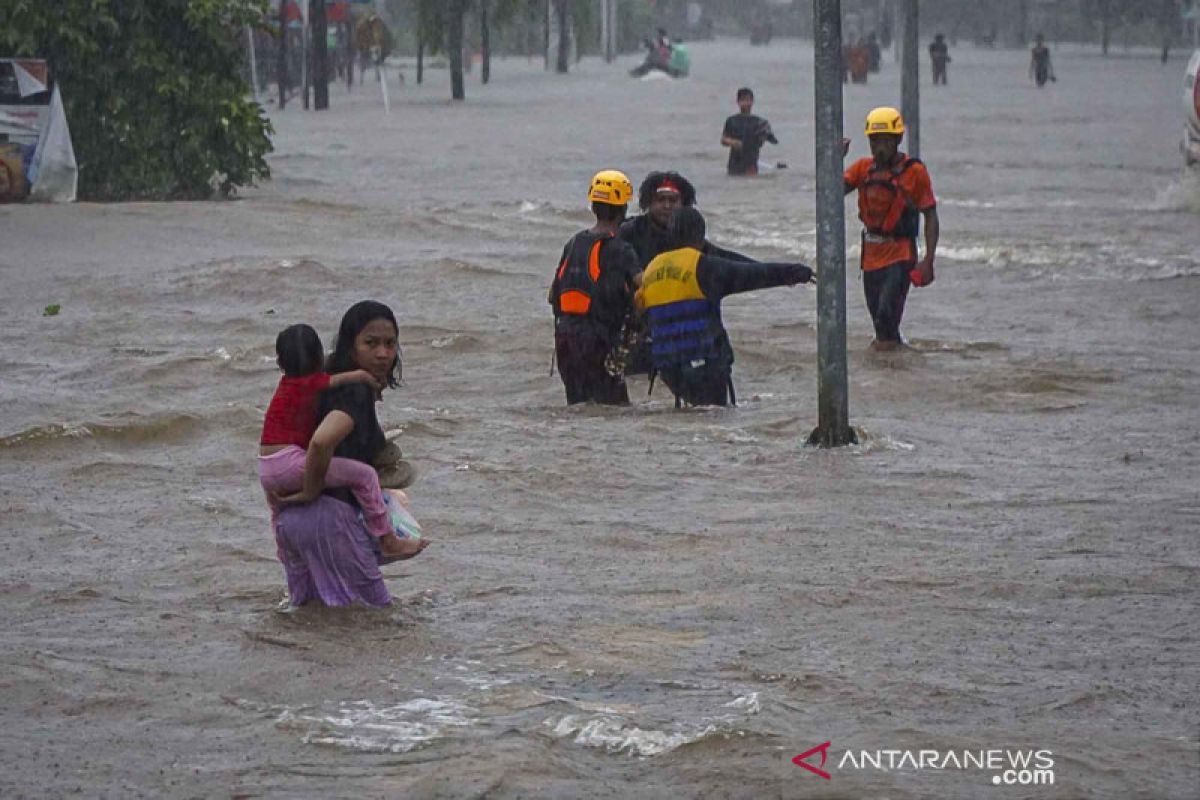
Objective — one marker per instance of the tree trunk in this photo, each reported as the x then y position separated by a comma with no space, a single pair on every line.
320,63
283,55
420,59
546,35
562,64
485,43
1168,18
454,46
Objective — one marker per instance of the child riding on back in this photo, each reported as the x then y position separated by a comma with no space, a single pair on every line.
288,427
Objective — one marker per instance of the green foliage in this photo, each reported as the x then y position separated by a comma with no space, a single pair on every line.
51,310
432,19
153,91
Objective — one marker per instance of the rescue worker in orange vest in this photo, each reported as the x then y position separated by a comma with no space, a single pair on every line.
681,294
592,294
894,192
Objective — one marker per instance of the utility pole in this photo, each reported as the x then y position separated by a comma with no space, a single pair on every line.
833,401
562,8
910,88
608,30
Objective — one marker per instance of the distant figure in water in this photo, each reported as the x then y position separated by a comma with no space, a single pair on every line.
681,294
858,61
894,192
874,52
681,60
939,57
1040,68
592,295
744,135
662,54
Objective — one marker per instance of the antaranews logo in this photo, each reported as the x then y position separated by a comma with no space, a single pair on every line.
799,760
1008,767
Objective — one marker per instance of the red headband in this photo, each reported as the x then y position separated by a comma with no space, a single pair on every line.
667,186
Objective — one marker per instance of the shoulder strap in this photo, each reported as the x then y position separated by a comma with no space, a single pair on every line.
568,250
904,165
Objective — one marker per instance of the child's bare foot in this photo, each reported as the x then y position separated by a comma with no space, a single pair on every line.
393,548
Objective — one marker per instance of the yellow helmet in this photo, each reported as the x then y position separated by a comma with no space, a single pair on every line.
611,187
885,119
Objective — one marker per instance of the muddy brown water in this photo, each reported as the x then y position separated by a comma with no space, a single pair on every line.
633,602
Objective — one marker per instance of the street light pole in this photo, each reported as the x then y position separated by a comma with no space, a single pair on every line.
833,403
910,87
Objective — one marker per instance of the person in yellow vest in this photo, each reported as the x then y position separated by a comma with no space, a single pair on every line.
894,192
681,295
592,295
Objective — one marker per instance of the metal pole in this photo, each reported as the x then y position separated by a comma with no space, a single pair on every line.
897,29
910,88
833,405
614,31
604,29
606,34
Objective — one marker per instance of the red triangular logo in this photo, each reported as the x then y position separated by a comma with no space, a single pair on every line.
800,762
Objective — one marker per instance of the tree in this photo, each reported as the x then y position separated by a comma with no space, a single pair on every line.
431,31
499,13
454,43
1169,14
485,43
153,91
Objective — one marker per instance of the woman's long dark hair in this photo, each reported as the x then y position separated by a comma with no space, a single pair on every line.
357,317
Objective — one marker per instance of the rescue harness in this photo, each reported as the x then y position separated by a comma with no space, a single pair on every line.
885,210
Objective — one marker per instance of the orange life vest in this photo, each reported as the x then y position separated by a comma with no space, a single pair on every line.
577,277
883,207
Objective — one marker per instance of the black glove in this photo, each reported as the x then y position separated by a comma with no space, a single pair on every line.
803,274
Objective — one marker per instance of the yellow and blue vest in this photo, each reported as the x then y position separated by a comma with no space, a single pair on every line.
685,326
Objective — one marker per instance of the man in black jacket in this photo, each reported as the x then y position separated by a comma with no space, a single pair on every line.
658,196
681,294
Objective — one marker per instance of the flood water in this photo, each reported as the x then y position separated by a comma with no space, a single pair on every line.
632,602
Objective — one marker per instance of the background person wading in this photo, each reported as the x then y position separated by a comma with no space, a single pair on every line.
744,134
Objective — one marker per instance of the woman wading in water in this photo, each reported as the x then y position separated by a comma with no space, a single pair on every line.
325,549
